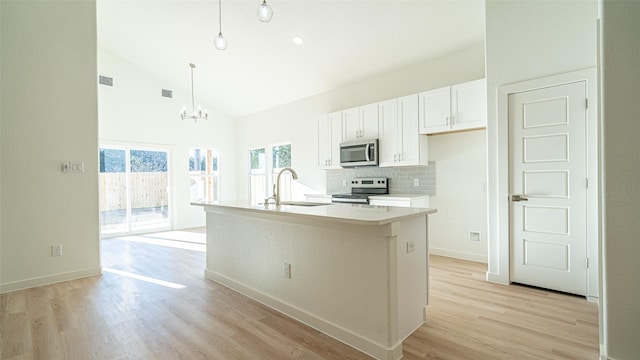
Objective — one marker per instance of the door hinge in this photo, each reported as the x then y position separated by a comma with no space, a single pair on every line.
586,262
586,183
586,103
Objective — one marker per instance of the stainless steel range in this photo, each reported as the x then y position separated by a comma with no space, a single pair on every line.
361,189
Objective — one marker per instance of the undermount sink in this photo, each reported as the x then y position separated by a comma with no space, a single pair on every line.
303,203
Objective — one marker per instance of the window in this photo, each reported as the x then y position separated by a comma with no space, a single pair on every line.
204,175
263,162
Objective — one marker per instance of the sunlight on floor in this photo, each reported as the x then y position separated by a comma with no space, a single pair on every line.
144,278
175,239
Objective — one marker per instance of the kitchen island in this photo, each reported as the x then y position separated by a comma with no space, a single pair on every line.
358,273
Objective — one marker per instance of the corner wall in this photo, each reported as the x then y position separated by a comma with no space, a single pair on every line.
49,115
620,51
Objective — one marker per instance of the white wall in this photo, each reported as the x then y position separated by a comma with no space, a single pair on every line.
620,51
297,122
526,40
48,116
461,195
133,111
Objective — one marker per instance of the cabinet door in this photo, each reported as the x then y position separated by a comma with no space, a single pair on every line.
369,121
435,110
351,124
388,128
469,105
324,141
409,142
335,124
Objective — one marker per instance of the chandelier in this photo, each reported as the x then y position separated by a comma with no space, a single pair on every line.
195,115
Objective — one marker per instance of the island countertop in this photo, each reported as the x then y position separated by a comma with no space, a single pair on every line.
345,213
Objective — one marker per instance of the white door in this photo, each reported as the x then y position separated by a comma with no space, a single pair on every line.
351,123
548,186
369,120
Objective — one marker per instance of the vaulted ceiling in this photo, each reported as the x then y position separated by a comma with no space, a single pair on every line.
344,41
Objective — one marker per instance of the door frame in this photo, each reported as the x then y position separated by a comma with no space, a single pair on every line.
499,253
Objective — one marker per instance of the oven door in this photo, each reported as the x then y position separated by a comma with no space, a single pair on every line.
361,153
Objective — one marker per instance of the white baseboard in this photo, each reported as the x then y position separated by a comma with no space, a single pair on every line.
458,255
337,332
49,279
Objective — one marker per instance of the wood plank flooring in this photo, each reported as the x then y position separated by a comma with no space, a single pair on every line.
152,302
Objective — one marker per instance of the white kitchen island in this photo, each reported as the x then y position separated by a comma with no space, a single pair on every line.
358,273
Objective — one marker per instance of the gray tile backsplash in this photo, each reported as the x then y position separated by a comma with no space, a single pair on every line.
400,178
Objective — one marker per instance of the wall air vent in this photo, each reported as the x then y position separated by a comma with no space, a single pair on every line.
167,93
105,80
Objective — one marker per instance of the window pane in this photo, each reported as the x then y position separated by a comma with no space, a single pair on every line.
281,156
257,161
203,168
148,161
112,161
113,191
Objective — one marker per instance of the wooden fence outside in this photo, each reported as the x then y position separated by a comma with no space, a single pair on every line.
149,189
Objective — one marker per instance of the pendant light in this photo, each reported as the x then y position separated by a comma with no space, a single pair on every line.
265,12
195,115
220,42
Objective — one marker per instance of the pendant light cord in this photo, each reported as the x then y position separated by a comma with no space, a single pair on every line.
220,16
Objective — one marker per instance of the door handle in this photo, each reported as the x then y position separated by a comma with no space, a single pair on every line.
519,198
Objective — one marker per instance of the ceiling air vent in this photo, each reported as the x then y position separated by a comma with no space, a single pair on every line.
105,80
167,93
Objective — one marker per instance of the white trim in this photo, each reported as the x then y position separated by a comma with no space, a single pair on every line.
499,267
337,332
458,255
49,279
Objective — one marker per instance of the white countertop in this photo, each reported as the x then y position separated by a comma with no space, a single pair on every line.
345,213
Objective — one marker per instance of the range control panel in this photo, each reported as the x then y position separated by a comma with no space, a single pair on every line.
369,183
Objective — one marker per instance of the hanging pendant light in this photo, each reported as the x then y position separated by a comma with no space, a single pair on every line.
265,12
220,42
195,115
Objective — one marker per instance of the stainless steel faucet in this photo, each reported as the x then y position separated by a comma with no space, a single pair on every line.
276,194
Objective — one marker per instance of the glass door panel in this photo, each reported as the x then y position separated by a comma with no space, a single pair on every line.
149,182
113,191
134,187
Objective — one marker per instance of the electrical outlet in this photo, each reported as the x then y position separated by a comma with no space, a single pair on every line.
411,246
344,182
56,250
286,270
416,182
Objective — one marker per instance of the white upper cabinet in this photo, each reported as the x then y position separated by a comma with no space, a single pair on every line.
400,142
453,108
360,123
329,138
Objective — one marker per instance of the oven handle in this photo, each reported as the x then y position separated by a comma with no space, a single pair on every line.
350,200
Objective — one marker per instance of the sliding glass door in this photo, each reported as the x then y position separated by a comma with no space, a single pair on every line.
134,190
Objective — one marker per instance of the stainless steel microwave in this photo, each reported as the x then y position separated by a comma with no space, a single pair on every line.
359,153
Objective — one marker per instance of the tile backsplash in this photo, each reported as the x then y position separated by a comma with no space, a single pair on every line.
401,179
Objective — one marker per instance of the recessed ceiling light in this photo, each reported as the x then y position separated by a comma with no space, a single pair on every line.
298,40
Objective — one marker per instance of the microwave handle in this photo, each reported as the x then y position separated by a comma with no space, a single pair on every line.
366,150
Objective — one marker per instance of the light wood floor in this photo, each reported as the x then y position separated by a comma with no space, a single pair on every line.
152,302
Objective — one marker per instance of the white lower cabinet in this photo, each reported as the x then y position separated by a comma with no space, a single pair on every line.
400,143
400,200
